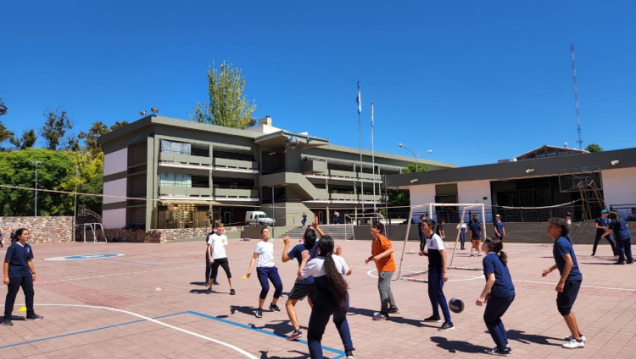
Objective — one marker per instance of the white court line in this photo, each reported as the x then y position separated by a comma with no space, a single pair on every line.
235,348
450,280
583,286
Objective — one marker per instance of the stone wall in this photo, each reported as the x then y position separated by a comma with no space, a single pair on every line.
174,234
42,229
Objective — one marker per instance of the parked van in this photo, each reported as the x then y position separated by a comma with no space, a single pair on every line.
258,218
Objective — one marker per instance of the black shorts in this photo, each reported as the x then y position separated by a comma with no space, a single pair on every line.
565,300
221,262
300,291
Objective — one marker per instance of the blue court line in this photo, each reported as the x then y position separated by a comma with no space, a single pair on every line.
146,264
244,326
87,331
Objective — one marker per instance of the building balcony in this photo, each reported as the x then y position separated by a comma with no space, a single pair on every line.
232,165
314,167
176,159
235,193
185,192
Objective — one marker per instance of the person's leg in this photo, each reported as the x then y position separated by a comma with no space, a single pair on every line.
384,282
620,248
278,284
565,302
317,323
262,278
628,250
12,292
462,239
441,299
492,318
215,271
433,283
225,264
597,239
340,320
29,293
291,312
612,244
208,268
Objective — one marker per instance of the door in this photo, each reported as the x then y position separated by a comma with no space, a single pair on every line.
227,217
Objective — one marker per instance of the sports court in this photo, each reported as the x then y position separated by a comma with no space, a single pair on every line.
150,302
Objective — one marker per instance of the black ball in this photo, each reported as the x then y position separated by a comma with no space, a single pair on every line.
456,305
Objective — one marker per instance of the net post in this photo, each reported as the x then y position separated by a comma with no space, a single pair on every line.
406,238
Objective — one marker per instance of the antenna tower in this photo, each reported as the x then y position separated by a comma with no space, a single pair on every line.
576,99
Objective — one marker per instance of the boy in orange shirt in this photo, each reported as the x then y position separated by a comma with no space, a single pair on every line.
382,255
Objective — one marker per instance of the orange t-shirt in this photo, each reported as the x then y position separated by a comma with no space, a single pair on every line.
380,245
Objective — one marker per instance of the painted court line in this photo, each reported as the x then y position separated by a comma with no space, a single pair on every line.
583,286
133,262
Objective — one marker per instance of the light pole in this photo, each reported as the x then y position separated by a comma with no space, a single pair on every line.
36,185
415,155
75,200
273,215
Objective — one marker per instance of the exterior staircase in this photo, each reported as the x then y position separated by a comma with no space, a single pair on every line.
336,231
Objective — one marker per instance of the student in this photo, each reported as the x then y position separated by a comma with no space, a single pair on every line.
208,264
500,230
216,252
302,287
461,227
266,269
12,236
602,225
382,255
1,245
570,281
336,216
568,222
331,298
304,221
622,236
19,272
475,236
498,293
419,227
437,275
439,229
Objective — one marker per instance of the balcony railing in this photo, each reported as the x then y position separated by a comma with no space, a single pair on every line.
184,159
235,193
239,164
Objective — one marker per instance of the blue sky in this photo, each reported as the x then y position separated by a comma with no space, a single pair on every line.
476,81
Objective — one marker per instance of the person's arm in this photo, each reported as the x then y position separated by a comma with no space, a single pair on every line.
252,261
384,254
30,264
607,233
303,263
566,272
599,227
286,257
503,228
316,228
490,281
442,233
5,269
496,231
210,253
549,270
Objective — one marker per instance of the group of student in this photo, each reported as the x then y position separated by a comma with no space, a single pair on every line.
611,223
12,237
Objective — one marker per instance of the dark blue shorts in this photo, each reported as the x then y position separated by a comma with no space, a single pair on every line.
565,300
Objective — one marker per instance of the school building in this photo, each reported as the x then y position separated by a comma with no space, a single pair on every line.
162,172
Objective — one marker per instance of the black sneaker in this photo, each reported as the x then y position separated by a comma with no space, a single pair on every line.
35,317
446,326
349,354
497,351
274,307
215,283
394,310
258,313
619,263
209,291
295,335
207,284
232,292
631,262
433,318
7,322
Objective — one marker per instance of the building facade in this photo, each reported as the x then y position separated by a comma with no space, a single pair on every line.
167,173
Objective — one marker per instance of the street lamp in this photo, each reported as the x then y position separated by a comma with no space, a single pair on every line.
75,201
36,185
416,155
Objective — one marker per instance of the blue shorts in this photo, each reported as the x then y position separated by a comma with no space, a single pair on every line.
565,300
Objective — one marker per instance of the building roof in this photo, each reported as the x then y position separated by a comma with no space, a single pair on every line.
545,148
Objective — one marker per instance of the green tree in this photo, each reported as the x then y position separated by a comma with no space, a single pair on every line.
593,147
118,125
27,140
228,107
55,127
90,180
90,137
5,134
411,168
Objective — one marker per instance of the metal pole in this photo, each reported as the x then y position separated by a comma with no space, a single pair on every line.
75,200
373,163
359,100
36,185
273,216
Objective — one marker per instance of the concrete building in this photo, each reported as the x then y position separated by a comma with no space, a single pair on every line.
188,173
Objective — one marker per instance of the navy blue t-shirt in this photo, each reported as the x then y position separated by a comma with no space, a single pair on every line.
297,253
503,282
603,222
499,225
561,247
476,228
19,257
621,231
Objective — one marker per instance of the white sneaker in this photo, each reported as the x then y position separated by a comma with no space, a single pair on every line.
573,344
569,337
476,254
472,254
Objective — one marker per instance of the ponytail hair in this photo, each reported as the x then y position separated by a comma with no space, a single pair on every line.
339,286
495,245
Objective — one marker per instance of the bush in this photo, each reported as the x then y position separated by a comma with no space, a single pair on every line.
132,236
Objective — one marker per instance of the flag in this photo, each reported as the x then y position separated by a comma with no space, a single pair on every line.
359,100
371,114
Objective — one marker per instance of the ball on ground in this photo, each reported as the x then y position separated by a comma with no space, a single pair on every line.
456,305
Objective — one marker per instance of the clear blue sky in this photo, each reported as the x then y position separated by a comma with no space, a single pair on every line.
476,81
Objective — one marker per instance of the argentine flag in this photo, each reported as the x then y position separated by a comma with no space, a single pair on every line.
359,100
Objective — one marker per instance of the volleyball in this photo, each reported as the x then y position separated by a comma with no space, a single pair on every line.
456,305
292,142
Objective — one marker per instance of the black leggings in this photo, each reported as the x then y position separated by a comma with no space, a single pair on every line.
222,262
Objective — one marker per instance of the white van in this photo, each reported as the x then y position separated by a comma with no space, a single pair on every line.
258,218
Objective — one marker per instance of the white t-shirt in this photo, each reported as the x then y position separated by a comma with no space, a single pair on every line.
461,226
265,252
217,244
315,267
435,242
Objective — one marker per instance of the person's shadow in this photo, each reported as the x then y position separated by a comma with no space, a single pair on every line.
454,346
301,355
280,329
522,337
242,309
198,291
197,283
392,317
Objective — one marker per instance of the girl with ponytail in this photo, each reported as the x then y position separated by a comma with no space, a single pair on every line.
498,293
331,296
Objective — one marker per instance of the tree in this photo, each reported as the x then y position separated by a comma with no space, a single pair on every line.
27,140
411,168
4,133
593,147
90,180
55,127
118,125
228,107
90,137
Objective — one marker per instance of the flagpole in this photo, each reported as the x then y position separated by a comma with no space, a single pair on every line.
359,100
373,162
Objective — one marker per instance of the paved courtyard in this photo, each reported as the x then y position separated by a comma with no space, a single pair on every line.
150,303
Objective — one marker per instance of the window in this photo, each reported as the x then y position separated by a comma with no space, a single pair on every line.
177,148
174,180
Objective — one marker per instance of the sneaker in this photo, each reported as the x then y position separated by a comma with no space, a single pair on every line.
258,313
295,335
35,317
274,308
215,283
476,253
446,326
7,322
380,317
232,292
619,263
207,284
569,337
394,310
349,354
433,318
497,351
631,262
593,254
573,344
209,291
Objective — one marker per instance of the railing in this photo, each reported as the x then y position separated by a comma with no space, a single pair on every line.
185,192
184,159
238,164
235,193
355,221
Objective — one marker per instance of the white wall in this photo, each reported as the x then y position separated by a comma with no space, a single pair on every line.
422,194
474,192
115,188
114,218
116,162
619,186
